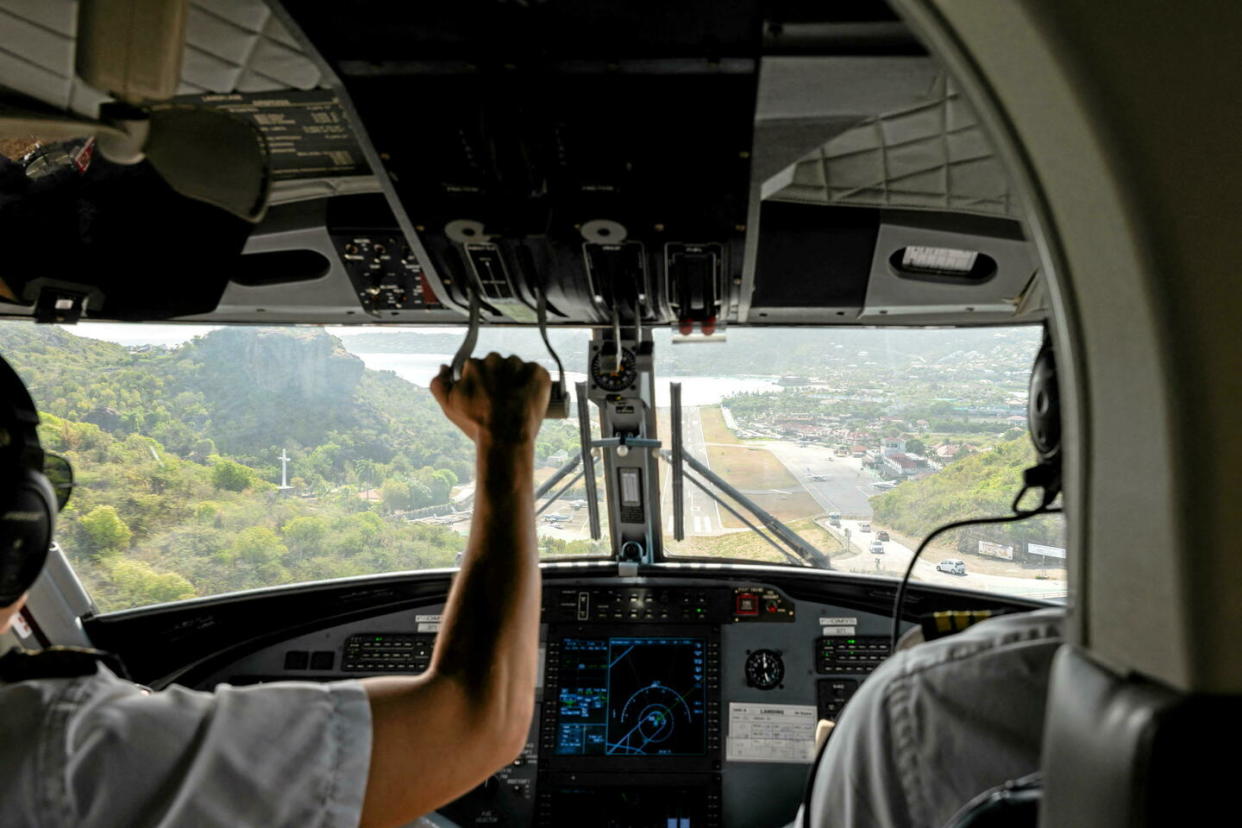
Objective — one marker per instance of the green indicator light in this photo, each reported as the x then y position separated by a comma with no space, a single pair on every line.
850,641
379,638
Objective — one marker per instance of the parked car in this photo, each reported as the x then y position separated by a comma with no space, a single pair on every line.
953,566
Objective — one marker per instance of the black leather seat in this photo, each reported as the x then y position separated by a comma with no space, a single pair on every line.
1126,751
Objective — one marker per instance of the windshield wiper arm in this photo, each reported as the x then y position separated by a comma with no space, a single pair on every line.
560,492
557,476
791,557
805,551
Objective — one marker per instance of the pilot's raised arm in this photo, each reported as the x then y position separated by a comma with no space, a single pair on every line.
85,748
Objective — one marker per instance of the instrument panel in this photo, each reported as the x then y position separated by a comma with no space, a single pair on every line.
661,702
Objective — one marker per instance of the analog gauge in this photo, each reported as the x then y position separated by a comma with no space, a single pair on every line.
606,375
764,669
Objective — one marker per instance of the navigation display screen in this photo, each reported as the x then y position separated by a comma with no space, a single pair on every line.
631,696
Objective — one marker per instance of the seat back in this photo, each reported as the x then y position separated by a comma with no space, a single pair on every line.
1125,751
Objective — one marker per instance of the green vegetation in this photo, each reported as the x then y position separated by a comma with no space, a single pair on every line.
978,486
177,452
146,526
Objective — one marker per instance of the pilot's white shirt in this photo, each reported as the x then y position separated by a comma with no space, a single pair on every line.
938,724
97,751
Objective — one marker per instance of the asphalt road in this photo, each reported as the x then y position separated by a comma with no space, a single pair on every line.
843,486
702,515
897,557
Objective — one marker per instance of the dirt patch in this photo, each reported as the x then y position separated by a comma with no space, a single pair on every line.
763,479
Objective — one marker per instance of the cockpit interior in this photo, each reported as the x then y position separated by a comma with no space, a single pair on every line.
860,221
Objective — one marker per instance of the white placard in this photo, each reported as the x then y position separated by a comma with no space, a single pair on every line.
1046,551
841,621
996,550
838,631
21,627
418,619
429,626
771,733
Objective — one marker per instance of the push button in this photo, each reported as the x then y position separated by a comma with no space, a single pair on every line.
747,603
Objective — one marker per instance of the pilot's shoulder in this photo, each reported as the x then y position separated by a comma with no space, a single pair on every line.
995,639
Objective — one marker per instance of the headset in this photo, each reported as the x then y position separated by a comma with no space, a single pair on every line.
28,502
1043,412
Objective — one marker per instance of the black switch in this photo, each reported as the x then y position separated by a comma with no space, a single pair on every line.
296,659
322,660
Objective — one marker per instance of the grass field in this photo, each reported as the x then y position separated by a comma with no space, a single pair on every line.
749,546
714,428
763,479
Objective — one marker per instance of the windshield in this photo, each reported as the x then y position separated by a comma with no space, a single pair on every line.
862,441
212,460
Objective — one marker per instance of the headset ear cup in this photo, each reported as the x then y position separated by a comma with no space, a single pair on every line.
27,526
1044,406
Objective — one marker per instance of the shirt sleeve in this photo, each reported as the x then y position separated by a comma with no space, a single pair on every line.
281,754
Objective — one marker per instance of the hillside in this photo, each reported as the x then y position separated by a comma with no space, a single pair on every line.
176,452
981,485
247,393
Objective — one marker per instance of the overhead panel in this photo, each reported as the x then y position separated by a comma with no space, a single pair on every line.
898,162
600,152
932,155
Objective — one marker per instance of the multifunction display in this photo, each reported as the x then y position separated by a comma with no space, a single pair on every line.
632,696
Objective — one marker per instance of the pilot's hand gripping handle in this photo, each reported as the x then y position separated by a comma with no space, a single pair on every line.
558,397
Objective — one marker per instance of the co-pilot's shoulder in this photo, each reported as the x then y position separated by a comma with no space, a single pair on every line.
61,677
987,640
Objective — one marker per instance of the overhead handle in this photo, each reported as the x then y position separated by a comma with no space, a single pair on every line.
558,398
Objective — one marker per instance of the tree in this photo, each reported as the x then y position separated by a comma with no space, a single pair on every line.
136,584
107,533
306,534
395,494
231,476
916,446
258,546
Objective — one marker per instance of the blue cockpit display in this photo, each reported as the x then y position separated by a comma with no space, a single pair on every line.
631,696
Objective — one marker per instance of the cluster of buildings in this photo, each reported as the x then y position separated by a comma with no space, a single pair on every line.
891,458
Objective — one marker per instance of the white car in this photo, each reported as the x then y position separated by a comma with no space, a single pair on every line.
953,566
